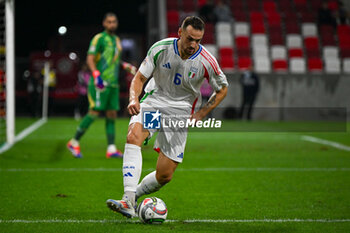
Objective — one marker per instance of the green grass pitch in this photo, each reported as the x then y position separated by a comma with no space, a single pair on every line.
246,178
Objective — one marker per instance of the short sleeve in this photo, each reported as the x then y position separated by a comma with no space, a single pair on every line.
94,47
217,78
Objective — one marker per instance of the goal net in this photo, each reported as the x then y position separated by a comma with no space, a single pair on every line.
8,135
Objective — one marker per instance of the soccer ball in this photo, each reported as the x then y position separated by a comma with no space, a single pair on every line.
152,210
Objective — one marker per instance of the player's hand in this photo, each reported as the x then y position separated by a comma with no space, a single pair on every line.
129,68
134,107
98,80
197,116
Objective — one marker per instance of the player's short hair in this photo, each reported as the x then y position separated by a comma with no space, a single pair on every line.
109,14
196,22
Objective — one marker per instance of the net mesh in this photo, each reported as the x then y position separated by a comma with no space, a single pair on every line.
2,75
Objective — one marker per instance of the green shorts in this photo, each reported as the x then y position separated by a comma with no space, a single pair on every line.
108,99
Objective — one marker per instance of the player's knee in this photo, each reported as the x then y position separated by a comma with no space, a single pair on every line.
133,138
164,178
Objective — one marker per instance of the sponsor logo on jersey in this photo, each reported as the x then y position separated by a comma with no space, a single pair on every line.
167,65
151,119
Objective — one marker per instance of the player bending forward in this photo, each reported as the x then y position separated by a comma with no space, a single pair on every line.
178,67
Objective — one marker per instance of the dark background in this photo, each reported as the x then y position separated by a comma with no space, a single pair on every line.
37,22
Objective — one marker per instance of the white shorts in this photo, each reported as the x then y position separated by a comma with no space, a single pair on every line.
171,142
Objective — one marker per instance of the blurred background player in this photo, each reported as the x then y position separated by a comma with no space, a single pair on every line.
249,81
103,60
179,67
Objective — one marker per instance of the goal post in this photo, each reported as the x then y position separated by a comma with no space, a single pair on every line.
10,70
7,87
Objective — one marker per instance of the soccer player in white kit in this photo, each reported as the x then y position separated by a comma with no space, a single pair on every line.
178,67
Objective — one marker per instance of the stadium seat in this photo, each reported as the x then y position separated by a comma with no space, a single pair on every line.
244,63
227,63
259,40
278,52
293,41
261,52
208,38
276,39
226,51
343,30
309,29
328,40
212,49
285,5
332,65
240,16
307,17
241,29
333,5
312,47
290,17
316,4
173,17
269,6
262,65
172,5
243,52
223,27
253,5
297,65
300,5
292,28
346,65
315,65
209,28
188,6
295,52
242,42
258,27
273,19
280,65
330,52
345,52
172,34
224,40
256,17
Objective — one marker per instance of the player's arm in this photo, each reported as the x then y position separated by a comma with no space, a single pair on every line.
135,91
213,101
129,67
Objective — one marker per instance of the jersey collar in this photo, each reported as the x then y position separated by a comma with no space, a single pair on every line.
176,50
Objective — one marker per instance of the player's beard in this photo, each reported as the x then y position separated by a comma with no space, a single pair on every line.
190,50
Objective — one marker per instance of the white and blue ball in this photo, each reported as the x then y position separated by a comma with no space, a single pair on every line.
152,210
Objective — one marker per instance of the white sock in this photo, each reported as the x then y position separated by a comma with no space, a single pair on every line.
74,142
111,148
132,165
149,184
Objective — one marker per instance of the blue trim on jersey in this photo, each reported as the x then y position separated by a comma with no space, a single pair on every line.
197,53
175,47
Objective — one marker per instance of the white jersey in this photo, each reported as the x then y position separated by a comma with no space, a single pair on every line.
177,81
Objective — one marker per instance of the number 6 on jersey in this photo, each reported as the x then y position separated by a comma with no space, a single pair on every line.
177,80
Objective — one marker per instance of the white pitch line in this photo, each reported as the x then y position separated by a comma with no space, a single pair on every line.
25,221
325,142
24,134
207,169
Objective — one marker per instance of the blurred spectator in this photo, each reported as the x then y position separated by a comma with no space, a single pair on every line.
52,86
83,81
250,87
34,88
206,12
222,12
325,16
342,14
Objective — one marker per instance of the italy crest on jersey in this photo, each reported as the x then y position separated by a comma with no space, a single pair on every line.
193,71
